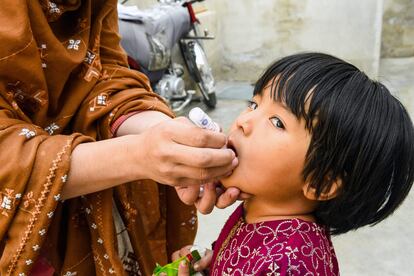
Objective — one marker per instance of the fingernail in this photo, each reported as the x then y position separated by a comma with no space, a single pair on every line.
234,192
233,154
183,264
196,266
235,162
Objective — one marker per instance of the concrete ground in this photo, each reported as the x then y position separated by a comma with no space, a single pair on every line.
385,249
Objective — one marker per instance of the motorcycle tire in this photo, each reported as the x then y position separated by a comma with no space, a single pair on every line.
199,69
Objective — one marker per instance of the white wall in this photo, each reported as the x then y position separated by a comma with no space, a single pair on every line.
252,33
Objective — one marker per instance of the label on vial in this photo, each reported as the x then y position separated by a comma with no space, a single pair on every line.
201,119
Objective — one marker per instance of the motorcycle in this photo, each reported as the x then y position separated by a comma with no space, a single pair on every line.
149,38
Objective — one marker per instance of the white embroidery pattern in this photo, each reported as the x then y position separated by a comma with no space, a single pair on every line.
255,248
6,203
74,44
101,99
69,273
51,128
28,133
43,55
90,57
53,8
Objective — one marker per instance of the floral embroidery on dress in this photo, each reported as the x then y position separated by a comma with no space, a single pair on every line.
74,44
27,133
283,247
52,128
53,8
99,101
28,200
90,57
7,201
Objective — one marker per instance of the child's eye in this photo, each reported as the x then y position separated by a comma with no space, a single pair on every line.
252,105
277,122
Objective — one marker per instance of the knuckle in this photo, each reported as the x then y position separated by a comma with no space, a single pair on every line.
164,170
200,140
204,160
203,211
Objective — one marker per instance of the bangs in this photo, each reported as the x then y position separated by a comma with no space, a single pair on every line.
302,82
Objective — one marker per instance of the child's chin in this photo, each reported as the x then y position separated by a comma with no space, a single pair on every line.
228,182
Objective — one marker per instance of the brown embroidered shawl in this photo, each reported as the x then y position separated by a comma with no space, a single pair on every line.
63,81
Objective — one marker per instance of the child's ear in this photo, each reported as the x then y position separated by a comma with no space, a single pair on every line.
327,194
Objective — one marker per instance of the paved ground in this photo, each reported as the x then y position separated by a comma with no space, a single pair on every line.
385,249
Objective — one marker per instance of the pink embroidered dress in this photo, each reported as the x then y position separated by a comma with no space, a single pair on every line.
279,247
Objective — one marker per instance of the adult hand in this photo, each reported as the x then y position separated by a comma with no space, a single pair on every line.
177,153
214,195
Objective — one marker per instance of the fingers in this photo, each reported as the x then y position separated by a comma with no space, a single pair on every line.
227,198
203,175
188,195
201,157
187,133
182,252
204,262
205,204
183,269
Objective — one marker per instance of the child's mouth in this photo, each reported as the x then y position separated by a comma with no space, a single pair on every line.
230,145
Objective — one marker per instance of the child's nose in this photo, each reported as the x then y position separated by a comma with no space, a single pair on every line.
245,123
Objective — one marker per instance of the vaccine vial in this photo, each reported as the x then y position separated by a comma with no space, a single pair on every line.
201,119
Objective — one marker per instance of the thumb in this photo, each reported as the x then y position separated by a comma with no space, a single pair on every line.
183,269
227,198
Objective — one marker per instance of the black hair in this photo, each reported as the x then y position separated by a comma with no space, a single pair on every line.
361,134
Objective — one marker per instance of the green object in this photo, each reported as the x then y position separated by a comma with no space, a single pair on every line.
171,269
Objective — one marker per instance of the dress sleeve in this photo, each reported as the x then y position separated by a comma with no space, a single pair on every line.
122,90
33,170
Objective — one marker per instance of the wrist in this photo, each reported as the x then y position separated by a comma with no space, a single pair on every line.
139,122
134,151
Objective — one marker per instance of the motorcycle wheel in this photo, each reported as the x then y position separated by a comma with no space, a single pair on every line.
200,70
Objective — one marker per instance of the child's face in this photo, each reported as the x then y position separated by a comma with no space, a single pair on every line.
271,145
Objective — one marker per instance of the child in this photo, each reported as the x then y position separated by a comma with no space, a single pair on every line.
322,150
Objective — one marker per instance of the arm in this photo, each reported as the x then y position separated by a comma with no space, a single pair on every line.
171,152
